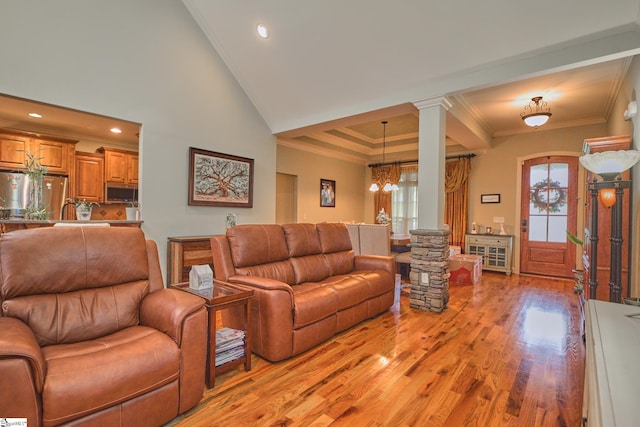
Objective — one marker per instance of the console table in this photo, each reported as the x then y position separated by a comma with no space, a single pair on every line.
612,380
494,249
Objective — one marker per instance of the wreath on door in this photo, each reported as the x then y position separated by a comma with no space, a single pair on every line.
548,195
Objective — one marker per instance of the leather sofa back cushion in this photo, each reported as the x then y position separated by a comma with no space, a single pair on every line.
334,237
80,257
340,262
80,315
281,271
257,244
302,239
312,268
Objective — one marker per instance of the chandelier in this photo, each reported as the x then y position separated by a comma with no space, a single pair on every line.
382,178
536,113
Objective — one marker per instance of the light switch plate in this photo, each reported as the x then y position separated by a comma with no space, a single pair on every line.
424,278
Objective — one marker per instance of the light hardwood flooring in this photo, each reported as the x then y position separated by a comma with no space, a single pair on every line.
507,352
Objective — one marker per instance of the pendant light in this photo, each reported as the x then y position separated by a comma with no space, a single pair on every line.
382,178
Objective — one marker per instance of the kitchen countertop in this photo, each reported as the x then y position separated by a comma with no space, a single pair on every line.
21,224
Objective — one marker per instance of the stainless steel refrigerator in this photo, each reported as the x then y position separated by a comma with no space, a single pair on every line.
14,190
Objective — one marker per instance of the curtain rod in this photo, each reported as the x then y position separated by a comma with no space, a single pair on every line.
398,162
402,162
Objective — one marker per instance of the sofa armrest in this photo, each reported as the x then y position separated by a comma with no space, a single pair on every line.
375,262
271,318
17,340
167,309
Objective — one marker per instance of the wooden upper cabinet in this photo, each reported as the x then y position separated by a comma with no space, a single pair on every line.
89,177
120,166
56,154
12,150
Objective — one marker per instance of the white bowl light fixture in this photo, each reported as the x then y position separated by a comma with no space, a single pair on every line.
536,113
610,164
262,31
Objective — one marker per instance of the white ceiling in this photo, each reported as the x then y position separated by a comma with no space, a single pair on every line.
332,70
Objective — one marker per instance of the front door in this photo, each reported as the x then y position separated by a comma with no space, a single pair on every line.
549,197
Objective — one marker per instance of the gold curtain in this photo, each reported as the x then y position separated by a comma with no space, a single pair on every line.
382,199
456,199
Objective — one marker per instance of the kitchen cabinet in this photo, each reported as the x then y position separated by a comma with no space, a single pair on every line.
120,165
56,154
89,177
603,270
496,250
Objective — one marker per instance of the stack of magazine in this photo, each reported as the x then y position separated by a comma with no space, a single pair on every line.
229,345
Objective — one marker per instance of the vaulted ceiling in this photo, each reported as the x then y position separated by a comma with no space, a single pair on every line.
330,71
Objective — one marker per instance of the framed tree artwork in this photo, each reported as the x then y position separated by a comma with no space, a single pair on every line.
217,179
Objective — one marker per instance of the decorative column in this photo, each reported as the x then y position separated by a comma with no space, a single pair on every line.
429,270
430,242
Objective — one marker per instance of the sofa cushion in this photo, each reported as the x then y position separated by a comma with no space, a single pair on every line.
257,244
334,237
312,302
88,255
81,315
302,239
87,377
340,262
350,289
282,271
312,268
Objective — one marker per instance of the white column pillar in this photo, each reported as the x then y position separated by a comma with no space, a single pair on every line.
431,159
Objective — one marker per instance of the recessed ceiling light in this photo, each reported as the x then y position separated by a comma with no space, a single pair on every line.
35,115
262,31
116,130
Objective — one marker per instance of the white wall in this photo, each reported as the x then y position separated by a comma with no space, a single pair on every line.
144,61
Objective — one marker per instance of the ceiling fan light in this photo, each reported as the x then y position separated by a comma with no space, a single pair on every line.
387,187
374,187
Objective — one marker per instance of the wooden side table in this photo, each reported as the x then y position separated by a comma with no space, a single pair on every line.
183,253
223,296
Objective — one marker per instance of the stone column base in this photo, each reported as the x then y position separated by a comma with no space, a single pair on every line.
429,270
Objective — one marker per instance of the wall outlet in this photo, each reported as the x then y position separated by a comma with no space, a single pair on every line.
424,278
498,219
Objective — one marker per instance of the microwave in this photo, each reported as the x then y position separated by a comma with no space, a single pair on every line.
116,192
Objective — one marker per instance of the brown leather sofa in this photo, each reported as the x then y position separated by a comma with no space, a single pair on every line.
308,284
89,335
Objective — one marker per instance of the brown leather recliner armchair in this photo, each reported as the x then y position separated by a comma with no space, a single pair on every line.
88,333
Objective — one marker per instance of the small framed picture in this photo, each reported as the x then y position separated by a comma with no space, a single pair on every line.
490,198
327,193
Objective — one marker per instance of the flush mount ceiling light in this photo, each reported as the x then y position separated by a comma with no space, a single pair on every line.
35,115
536,113
116,130
262,31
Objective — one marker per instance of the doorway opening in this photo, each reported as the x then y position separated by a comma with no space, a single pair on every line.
286,198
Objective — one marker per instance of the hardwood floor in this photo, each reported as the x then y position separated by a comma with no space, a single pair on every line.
507,352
